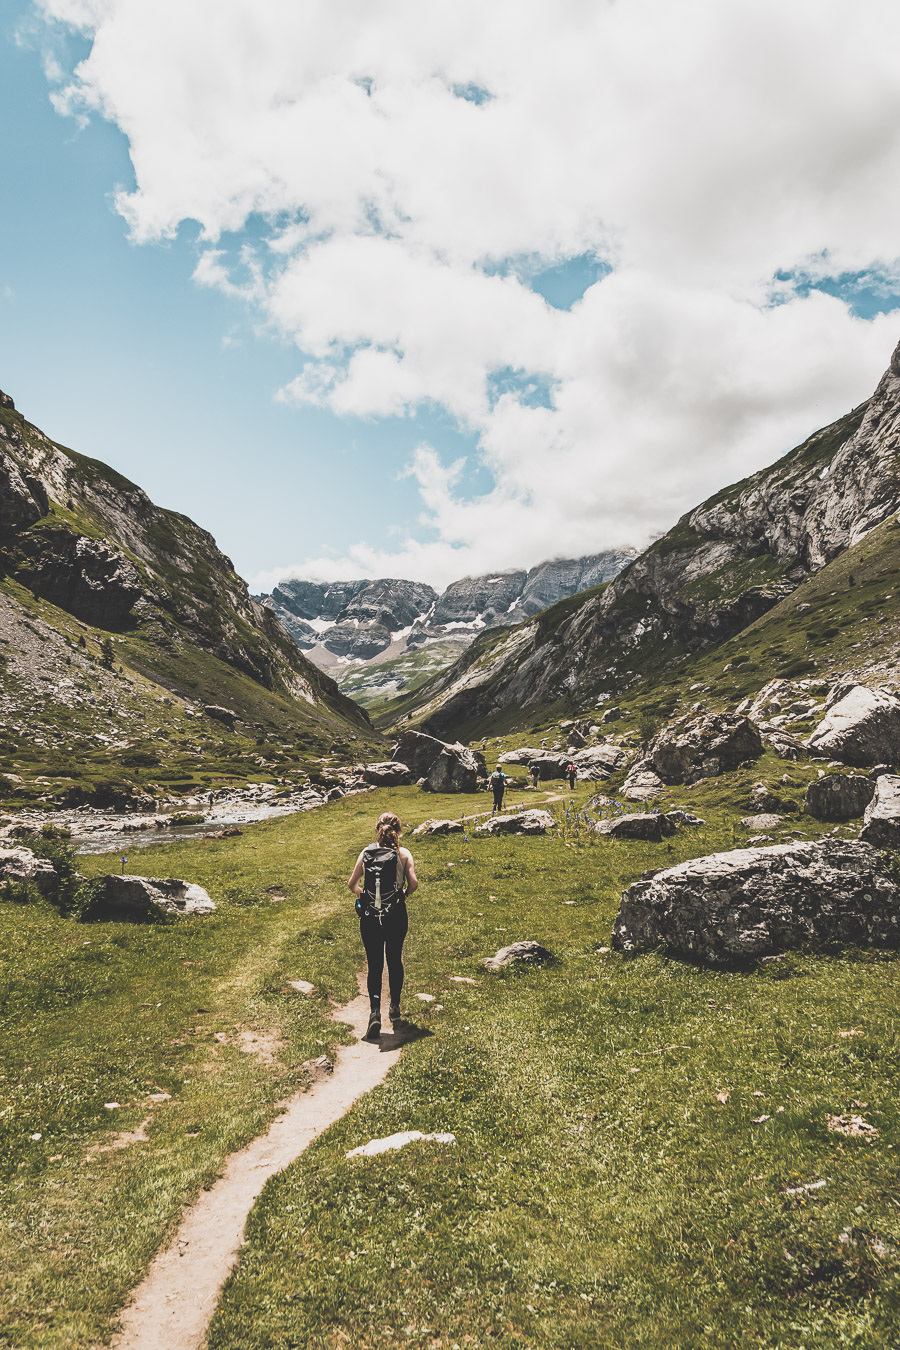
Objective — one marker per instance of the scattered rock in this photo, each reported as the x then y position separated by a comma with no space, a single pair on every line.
530,952
302,986
134,899
749,902
611,715
881,823
653,826
681,817
862,728
783,743
21,865
765,821
854,1127
440,827
390,773
606,758
399,1140
837,796
525,822
700,746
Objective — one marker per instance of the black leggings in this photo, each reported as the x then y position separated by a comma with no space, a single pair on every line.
385,939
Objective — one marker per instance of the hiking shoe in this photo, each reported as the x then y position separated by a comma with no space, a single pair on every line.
394,1012
373,1031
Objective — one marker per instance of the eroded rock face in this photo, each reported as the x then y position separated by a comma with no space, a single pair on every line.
86,577
135,899
755,901
641,825
606,758
525,822
838,796
525,952
20,864
862,728
388,774
524,755
881,825
702,745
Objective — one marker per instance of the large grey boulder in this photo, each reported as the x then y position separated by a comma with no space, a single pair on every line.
524,755
20,864
642,783
440,827
390,773
138,898
838,796
754,901
418,751
642,825
526,952
456,769
524,822
550,766
881,825
224,715
862,728
701,745
599,761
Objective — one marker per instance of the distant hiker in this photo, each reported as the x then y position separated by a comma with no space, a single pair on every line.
382,871
498,787
535,770
570,773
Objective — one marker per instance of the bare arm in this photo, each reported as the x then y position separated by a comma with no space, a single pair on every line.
412,881
355,878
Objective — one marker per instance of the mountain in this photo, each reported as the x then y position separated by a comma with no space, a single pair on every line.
723,566
120,621
383,638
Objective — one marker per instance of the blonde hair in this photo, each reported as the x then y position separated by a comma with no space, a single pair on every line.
387,830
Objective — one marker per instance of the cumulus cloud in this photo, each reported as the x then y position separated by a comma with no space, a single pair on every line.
415,165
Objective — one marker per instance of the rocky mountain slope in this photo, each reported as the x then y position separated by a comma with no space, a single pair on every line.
120,622
381,638
723,566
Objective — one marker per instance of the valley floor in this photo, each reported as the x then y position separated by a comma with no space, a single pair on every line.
642,1152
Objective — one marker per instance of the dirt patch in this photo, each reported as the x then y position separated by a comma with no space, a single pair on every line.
266,1045
138,1135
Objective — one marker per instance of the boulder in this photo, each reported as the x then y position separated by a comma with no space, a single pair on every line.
766,821
135,899
20,864
642,784
524,755
550,766
783,743
752,902
642,825
456,769
862,728
609,758
223,715
701,745
611,715
524,822
440,827
881,823
526,951
390,773
418,751
838,796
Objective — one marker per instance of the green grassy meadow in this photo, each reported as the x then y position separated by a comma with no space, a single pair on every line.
601,1192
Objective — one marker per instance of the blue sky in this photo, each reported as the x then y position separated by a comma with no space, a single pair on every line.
547,307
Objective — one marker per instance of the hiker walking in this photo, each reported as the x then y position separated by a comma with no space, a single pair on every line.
570,774
535,770
383,877
498,787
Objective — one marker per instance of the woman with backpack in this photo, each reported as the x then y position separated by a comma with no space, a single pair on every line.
383,877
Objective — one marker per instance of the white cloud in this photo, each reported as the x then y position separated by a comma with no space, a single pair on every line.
705,151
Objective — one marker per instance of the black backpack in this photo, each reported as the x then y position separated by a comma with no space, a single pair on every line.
382,887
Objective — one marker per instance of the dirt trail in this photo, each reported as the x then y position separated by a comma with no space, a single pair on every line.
175,1302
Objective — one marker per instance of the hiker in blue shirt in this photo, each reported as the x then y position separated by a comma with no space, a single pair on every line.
498,787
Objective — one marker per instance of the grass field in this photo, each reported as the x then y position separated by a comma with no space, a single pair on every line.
613,1184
